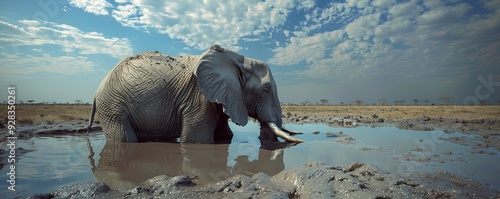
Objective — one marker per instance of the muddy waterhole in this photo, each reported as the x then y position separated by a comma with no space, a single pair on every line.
68,159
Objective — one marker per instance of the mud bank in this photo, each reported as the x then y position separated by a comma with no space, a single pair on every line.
313,180
26,131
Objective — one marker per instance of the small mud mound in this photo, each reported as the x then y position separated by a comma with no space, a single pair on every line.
314,180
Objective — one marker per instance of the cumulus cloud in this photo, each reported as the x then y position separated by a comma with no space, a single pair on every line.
306,4
382,4
201,24
362,27
309,49
97,7
32,64
75,44
410,8
443,15
127,15
71,39
394,39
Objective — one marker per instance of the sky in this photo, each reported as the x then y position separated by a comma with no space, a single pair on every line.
342,51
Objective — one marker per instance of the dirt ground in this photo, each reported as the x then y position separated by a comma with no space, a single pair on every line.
36,114
397,113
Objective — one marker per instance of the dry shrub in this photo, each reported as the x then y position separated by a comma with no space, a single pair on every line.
68,117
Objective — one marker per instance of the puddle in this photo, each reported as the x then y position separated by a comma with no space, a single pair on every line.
62,160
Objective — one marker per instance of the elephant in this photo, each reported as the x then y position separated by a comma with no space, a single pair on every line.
156,97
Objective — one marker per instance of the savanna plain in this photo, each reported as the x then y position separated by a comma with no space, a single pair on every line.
480,121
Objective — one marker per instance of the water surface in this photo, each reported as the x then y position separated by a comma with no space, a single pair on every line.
63,160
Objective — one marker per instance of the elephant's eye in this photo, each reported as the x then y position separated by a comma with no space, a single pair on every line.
265,89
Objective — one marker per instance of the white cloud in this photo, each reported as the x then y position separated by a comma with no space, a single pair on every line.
383,3
432,4
393,27
495,5
395,40
71,39
410,8
200,25
444,15
306,4
309,49
127,15
362,27
97,7
358,3
32,64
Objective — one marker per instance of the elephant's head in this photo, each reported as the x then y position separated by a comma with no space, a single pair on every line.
245,87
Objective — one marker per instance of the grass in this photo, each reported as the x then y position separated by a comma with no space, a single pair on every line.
36,114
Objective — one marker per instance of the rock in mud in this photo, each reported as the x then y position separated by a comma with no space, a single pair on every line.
80,190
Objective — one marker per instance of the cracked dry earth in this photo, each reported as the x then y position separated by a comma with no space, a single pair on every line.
314,180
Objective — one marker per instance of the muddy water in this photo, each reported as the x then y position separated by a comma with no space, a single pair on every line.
66,160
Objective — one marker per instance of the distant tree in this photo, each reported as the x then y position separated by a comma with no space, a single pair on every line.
21,102
30,101
399,102
482,102
305,103
323,101
383,101
78,102
446,99
426,102
359,102
342,103
498,101
415,101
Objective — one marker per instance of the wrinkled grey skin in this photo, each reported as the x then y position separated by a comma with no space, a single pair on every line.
156,97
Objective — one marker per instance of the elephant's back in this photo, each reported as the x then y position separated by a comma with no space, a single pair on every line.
154,64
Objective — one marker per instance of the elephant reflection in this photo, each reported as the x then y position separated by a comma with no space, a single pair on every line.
126,165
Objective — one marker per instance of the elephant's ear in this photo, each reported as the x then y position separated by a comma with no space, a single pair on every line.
220,77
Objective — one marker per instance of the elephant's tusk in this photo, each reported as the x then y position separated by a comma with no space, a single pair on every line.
280,133
290,131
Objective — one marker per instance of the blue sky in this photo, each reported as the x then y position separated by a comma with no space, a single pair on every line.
56,50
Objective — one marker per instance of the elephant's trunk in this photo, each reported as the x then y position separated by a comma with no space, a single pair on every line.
282,133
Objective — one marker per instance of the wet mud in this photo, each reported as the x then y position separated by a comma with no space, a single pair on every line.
313,180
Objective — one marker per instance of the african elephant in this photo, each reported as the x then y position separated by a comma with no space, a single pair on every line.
156,97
